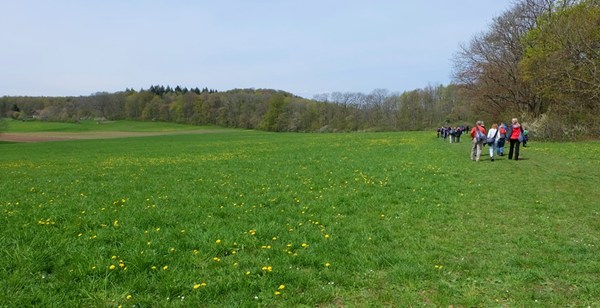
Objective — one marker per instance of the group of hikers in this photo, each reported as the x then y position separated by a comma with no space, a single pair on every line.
452,133
495,137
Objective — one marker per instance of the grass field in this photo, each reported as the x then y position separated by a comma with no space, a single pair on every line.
246,218
99,126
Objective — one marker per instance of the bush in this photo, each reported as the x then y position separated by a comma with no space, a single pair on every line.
551,126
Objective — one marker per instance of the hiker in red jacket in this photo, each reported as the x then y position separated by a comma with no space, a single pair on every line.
515,132
479,135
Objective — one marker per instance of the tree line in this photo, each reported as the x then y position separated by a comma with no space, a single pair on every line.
262,109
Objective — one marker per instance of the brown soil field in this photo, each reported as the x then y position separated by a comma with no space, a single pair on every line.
58,136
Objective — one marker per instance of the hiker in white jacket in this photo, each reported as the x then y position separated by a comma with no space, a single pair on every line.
493,136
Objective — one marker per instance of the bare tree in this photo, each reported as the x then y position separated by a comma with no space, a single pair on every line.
488,67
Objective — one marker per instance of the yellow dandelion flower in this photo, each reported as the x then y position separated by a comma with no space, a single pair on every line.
304,245
247,273
166,267
326,235
327,264
277,293
218,241
267,268
113,257
112,267
196,286
129,296
281,287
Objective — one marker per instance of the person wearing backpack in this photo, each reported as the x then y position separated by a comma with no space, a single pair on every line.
492,139
515,138
501,139
478,134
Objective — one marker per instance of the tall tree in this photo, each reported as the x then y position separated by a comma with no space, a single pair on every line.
271,119
563,62
488,67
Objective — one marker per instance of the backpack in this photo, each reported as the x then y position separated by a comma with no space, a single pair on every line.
479,136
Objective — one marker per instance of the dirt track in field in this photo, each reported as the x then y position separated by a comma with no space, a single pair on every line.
58,136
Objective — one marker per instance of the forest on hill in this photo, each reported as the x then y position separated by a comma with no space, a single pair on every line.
538,61
263,109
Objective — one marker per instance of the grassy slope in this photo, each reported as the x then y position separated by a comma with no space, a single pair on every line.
401,218
92,126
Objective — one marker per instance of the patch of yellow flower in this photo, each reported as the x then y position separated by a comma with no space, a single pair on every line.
267,268
47,221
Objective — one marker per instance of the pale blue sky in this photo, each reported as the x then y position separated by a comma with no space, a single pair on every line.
78,47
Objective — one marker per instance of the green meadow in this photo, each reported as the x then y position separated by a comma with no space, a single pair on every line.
241,218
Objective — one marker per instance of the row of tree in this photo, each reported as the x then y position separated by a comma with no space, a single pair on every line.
160,90
254,109
539,60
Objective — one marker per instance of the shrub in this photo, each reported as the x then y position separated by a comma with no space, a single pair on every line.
552,126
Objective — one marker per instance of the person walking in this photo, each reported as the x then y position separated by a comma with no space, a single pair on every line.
515,132
501,139
477,141
492,139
